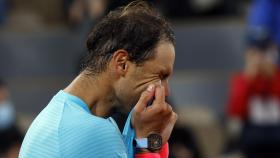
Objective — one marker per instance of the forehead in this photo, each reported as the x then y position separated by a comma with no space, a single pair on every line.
164,57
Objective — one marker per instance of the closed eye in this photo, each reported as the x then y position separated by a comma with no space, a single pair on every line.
164,76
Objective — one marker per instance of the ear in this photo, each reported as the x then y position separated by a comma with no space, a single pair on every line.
120,61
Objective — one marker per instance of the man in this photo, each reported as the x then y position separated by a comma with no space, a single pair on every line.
130,56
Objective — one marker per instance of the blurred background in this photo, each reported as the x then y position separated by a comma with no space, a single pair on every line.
225,87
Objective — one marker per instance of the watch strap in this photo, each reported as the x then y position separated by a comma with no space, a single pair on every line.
141,142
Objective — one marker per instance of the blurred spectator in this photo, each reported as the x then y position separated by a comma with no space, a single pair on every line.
254,107
264,18
254,103
79,11
10,136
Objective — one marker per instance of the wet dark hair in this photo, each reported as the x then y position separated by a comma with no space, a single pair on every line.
136,28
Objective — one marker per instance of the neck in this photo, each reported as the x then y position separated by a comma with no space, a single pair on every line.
95,91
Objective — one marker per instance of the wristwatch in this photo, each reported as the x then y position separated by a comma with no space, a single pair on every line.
153,142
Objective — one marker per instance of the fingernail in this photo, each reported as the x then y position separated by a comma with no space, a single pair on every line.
150,88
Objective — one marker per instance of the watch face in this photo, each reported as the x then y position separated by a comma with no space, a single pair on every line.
154,142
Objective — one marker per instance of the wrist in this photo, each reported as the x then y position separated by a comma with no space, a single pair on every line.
140,135
152,143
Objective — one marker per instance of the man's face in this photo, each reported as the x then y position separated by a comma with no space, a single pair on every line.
138,78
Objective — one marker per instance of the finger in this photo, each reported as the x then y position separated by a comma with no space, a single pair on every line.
146,96
174,117
169,127
165,110
169,109
159,95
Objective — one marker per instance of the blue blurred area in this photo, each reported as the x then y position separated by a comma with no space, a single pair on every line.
265,14
3,11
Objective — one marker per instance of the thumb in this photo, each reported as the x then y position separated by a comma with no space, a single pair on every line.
146,96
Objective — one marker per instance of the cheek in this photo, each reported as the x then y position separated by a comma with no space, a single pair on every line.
133,93
132,87
127,93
